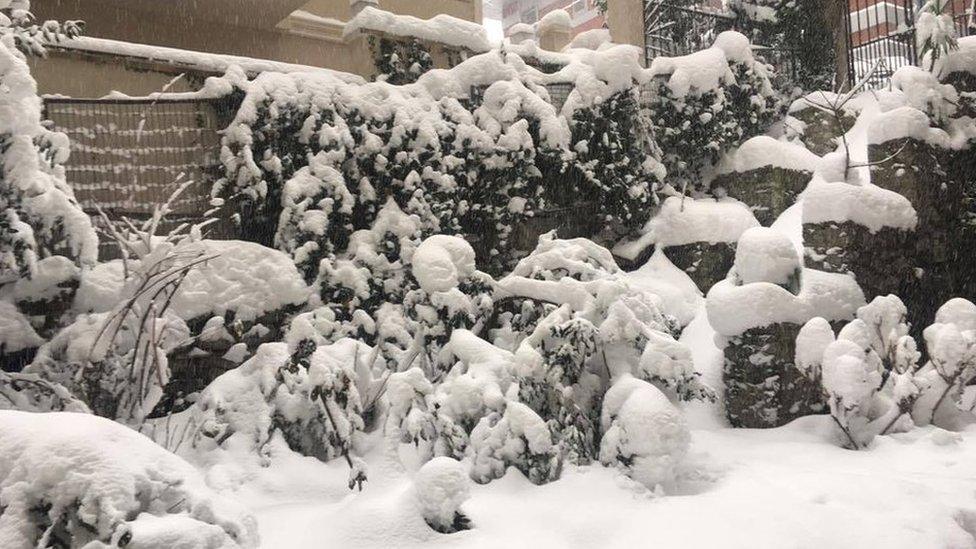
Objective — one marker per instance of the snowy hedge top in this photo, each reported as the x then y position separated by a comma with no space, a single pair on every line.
762,151
591,39
440,28
687,220
119,479
708,69
733,309
205,61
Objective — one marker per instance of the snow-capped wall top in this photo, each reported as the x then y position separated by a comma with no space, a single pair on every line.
762,151
686,220
906,122
521,28
698,72
441,28
866,204
765,255
732,309
210,62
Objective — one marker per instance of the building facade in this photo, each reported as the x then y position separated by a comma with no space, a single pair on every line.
139,46
585,14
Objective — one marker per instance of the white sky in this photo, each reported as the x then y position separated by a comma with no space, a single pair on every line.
495,31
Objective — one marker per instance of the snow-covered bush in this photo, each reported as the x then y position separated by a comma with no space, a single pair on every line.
304,392
951,345
400,61
516,437
118,361
441,486
935,31
89,482
573,322
31,393
39,217
704,103
868,372
644,434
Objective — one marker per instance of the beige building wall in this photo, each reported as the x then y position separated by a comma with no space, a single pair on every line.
261,29
625,18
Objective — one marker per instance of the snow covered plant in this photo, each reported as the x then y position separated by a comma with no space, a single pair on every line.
935,31
705,103
303,391
441,486
644,434
400,61
574,324
39,217
951,345
868,372
89,482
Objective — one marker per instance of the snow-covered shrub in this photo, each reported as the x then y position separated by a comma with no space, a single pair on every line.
704,103
89,482
644,434
951,345
31,393
118,361
935,31
516,437
39,217
867,373
573,321
400,61
452,294
303,391
441,486
617,154
798,31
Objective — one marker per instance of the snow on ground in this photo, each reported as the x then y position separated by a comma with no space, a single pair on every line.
776,488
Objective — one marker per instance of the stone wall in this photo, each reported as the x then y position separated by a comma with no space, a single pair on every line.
704,263
768,191
763,387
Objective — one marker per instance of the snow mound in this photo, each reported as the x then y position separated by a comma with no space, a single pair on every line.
558,19
906,122
686,221
46,280
735,45
962,59
865,204
441,262
441,486
244,277
644,434
765,255
924,92
734,309
441,28
762,151
695,73
591,39
103,482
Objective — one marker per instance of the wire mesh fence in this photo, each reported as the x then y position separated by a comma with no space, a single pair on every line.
130,155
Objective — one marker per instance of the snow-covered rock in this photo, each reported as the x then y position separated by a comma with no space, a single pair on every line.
766,255
441,486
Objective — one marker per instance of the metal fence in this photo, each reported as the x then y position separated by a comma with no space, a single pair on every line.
671,30
880,33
